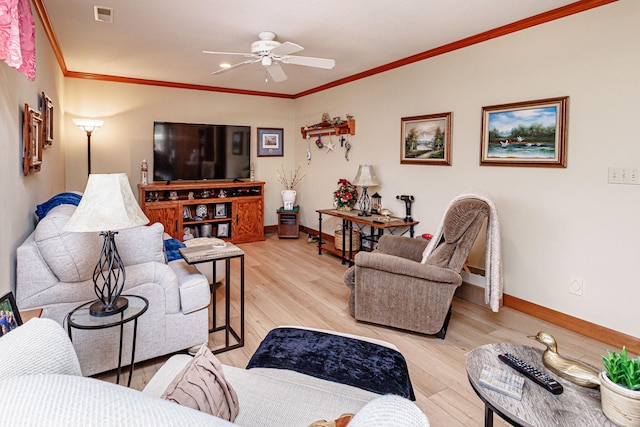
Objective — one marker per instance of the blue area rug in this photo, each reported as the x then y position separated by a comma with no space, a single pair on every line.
350,361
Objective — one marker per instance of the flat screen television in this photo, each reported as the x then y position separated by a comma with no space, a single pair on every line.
190,151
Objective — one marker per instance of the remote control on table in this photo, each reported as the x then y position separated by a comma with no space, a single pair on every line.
532,373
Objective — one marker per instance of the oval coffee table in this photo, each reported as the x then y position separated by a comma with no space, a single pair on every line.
576,407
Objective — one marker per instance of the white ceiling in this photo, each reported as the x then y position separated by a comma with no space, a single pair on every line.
164,39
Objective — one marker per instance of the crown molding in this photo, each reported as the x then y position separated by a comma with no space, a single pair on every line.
552,15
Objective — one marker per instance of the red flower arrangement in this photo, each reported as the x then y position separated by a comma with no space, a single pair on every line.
345,196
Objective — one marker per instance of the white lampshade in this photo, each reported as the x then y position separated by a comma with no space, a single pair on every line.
88,125
366,177
107,204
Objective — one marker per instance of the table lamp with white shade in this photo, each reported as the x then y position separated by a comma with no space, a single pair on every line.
365,177
107,205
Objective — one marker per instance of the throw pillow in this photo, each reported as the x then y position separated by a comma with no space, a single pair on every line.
341,421
70,256
201,385
141,244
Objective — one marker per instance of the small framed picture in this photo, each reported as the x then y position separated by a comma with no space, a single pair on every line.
270,142
9,314
220,210
531,133
32,140
223,230
47,120
426,139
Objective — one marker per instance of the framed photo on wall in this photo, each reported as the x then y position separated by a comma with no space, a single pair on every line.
32,140
47,120
531,133
9,314
426,139
270,142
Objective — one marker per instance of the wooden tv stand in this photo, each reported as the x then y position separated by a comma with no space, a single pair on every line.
235,210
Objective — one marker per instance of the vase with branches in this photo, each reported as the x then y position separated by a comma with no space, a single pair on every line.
289,183
294,178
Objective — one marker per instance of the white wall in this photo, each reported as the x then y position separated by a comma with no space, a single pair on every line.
21,194
127,135
556,223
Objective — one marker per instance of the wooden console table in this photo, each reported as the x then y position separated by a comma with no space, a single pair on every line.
377,228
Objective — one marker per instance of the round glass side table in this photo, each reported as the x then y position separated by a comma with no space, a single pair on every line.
80,318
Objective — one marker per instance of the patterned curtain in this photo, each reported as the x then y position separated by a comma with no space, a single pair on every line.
17,36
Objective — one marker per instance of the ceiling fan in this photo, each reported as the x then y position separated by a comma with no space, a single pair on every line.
270,53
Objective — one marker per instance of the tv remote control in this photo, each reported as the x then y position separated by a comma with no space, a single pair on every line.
532,373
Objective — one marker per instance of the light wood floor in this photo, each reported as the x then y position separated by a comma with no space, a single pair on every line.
287,283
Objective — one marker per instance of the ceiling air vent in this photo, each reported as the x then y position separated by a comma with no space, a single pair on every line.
103,14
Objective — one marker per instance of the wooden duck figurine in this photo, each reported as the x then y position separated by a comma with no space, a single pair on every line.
570,369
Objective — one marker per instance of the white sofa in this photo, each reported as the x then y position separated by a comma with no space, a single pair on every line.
54,272
41,374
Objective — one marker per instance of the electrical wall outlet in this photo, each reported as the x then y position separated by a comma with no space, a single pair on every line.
576,286
620,175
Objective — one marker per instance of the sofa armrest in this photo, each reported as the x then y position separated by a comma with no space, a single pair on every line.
389,411
406,267
404,247
40,346
195,292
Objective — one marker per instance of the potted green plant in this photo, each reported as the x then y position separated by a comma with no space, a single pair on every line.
620,388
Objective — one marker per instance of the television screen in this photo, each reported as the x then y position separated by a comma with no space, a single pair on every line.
190,151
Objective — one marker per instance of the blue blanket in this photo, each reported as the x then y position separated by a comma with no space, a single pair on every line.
171,247
350,361
60,199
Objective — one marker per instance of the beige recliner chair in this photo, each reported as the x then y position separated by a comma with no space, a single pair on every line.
391,286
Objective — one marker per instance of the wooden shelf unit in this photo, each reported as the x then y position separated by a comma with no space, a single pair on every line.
326,129
235,210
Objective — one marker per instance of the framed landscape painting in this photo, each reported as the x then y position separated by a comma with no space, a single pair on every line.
426,139
532,133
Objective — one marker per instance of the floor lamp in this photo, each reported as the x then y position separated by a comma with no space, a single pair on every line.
88,125
107,205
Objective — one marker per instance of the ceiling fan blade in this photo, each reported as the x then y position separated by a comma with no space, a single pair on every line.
239,64
248,55
286,48
310,62
276,72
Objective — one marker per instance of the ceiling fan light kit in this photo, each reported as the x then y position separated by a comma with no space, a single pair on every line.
270,53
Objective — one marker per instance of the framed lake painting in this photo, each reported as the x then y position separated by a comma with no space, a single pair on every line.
532,133
426,139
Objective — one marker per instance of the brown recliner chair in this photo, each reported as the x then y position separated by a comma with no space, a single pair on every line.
390,286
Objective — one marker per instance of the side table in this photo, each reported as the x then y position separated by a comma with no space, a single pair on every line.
576,406
209,253
80,318
288,225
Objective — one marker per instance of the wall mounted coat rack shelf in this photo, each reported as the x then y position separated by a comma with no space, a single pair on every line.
326,129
